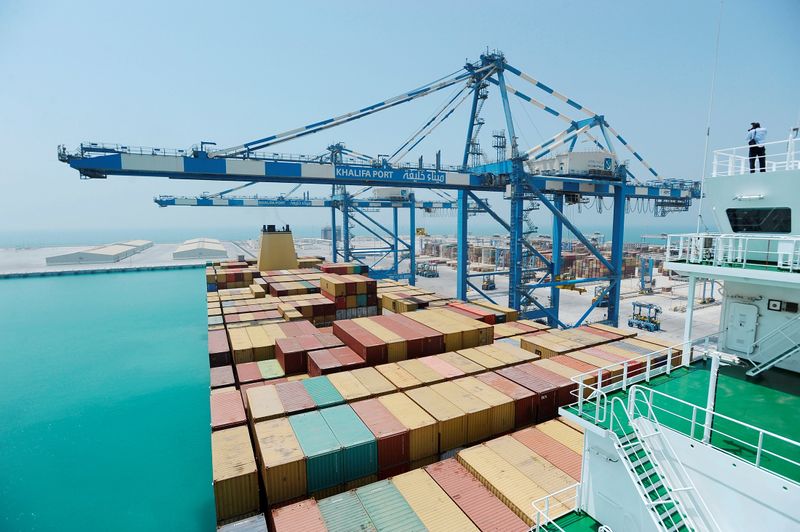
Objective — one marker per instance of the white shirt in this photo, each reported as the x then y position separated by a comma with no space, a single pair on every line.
758,134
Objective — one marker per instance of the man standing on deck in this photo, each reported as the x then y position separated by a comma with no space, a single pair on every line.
756,136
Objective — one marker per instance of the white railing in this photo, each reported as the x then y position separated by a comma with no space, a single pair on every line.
702,424
735,250
672,469
781,155
594,386
565,500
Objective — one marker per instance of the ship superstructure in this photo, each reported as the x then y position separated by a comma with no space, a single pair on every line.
703,435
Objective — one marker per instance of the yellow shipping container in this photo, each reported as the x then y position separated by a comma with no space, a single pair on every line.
547,345
563,433
452,419
349,386
502,413
396,346
241,346
263,403
235,475
433,506
283,464
478,413
373,381
479,357
420,371
464,364
423,428
550,478
400,378
263,343
507,483
452,333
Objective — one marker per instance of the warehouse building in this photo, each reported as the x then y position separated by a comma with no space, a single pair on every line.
200,248
109,253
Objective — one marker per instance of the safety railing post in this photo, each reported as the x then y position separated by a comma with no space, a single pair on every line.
625,376
760,447
647,369
597,399
580,398
694,420
669,360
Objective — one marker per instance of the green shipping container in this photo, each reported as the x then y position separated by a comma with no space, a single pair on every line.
360,449
323,392
388,509
345,513
270,369
323,451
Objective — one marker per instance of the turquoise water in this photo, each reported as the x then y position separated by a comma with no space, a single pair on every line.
104,398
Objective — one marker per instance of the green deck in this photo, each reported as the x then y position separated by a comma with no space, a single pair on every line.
771,404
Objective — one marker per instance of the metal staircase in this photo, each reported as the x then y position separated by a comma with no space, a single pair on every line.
663,484
788,332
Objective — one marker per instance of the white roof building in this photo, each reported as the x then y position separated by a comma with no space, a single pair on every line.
101,255
200,248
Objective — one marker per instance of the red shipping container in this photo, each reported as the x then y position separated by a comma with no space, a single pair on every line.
599,332
365,344
478,503
326,330
583,367
472,311
248,372
635,367
294,397
219,351
393,471
551,450
312,342
446,370
227,410
303,516
545,404
391,435
564,387
434,340
347,358
415,341
524,399
322,362
290,355
222,376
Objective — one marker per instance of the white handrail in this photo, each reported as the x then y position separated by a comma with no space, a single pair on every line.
685,479
630,375
735,161
758,449
543,520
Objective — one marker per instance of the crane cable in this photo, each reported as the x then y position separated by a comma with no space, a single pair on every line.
708,123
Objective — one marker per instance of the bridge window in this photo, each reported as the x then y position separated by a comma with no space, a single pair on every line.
764,220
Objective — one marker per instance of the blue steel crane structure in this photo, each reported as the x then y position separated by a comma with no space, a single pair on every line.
249,162
353,210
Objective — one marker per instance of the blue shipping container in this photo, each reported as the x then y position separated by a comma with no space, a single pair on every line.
322,450
344,513
360,449
322,391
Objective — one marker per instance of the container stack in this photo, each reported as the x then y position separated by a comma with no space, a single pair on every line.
353,295
414,410
490,486
230,274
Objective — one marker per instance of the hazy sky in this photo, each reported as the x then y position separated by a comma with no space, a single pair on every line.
171,74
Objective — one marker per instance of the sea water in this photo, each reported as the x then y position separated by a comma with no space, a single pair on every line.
104,403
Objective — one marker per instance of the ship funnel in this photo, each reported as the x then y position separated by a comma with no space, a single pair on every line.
277,249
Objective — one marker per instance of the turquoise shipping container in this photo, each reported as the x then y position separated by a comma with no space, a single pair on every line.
359,446
322,450
345,513
322,392
361,300
388,509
